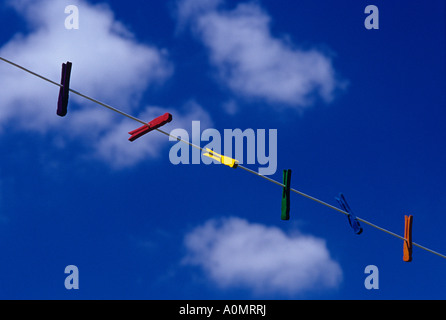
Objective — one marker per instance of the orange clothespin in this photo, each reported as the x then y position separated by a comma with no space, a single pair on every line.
407,256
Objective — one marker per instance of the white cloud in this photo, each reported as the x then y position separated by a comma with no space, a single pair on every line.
236,253
109,64
251,61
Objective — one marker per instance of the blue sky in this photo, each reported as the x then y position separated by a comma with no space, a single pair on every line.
356,111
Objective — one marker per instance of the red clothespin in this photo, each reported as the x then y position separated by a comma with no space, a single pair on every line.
152,125
407,256
62,103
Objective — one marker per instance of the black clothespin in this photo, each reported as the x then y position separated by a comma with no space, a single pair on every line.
62,103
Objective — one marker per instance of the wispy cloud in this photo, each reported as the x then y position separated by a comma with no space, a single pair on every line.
109,64
251,61
117,68
235,253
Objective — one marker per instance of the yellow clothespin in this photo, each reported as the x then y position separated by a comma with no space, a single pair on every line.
223,159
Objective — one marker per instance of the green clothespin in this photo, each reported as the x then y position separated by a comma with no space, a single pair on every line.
286,195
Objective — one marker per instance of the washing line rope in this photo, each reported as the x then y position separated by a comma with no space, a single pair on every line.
239,166
98,102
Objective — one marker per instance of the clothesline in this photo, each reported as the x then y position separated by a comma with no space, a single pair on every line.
238,165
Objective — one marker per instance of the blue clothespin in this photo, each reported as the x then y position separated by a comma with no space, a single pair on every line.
354,223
